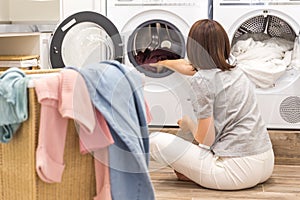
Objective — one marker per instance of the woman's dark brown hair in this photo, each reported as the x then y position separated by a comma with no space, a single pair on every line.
208,45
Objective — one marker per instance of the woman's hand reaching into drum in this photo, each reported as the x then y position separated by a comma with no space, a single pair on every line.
180,65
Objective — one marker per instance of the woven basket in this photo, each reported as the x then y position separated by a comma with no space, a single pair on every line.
19,58
17,164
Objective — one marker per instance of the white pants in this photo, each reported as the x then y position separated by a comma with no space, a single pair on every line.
199,164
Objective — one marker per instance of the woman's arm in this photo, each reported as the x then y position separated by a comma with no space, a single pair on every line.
205,132
180,65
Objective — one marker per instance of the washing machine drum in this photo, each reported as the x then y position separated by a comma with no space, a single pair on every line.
153,41
85,38
262,27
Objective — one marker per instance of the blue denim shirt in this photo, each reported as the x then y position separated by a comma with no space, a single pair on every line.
13,102
117,93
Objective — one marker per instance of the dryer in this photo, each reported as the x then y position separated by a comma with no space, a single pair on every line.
279,104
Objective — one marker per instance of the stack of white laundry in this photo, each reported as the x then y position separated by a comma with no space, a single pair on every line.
263,58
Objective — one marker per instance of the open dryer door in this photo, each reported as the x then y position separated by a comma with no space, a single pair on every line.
84,38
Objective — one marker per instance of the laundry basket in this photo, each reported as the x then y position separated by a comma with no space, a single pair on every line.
18,178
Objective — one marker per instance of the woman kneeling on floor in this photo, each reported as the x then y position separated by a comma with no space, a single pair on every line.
240,155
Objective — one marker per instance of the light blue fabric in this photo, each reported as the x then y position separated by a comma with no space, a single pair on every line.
117,93
13,102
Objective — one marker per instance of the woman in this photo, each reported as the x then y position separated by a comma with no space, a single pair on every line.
241,155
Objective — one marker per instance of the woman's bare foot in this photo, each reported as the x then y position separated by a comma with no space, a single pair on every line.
181,177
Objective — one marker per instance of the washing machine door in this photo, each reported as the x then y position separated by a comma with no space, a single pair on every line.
85,38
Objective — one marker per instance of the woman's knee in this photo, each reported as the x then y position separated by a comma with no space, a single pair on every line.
160,138
158,142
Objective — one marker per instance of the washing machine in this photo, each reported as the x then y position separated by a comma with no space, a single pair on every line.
158,27
279,104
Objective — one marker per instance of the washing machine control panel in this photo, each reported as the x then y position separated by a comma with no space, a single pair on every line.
156,2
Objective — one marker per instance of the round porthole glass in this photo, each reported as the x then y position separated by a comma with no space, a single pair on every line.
86,43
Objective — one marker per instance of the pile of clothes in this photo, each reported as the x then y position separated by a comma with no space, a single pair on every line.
263,58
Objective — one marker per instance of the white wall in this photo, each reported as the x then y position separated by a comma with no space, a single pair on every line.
69,7
32,11
46,11
4,10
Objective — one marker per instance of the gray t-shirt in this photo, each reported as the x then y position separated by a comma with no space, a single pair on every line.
230,98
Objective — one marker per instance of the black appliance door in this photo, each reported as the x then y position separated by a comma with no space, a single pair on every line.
85,38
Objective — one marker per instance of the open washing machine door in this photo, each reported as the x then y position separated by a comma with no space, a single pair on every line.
85,38
279,103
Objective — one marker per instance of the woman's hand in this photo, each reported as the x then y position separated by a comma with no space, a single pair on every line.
186,124
159,65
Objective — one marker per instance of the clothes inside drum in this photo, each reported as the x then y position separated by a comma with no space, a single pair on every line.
263,49
155,41
144,58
